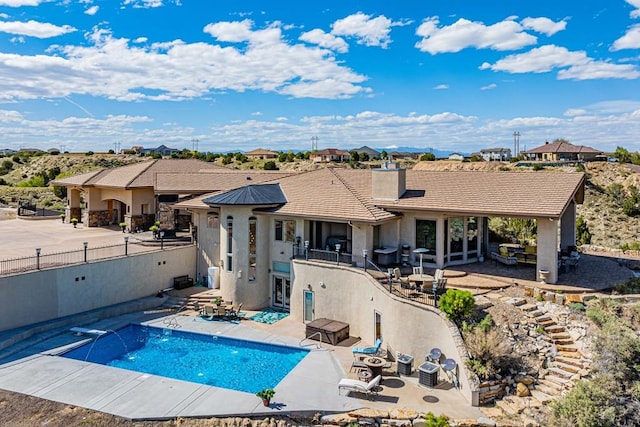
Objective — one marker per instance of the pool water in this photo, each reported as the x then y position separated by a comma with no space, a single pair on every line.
269,316
205,359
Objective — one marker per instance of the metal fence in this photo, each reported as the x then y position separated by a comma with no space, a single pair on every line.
40,260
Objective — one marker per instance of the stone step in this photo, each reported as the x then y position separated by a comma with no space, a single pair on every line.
566,367
549,391
541,396
505,408
510,406
543,318
560,380
561,373
570,361
553,388
560,335
570,354
516,301
563,341
528,307
566,347
553,328
535,313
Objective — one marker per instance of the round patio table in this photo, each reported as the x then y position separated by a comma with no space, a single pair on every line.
374,364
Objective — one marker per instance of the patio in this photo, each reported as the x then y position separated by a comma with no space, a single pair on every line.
595,273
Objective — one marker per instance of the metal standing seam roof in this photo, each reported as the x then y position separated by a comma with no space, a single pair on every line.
256,194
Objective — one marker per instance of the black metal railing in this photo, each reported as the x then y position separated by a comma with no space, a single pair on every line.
87,253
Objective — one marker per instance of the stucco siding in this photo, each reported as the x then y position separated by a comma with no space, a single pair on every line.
352,296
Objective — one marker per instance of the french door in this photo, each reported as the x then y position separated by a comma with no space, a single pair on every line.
281,290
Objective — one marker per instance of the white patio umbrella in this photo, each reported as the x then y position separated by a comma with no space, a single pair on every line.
420,251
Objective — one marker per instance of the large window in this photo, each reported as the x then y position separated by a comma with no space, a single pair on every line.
285,230
229,243
252,249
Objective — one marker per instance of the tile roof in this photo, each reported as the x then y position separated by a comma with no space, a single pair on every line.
138,174
561,147
78,180
517,194
346,194
212,180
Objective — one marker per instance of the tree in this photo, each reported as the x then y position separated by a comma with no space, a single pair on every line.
583,235
383,154
427,157
355,156
270,166
622,154
631,205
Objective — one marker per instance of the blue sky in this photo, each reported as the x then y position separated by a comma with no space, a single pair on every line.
457,75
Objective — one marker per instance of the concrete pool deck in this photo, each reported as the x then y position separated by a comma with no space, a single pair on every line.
311,387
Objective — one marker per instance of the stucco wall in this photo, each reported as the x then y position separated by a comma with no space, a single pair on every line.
48,294
352,296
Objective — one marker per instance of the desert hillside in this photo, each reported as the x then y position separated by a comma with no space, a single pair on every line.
608,224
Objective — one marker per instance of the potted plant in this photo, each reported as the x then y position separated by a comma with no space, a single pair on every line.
63,216
217,301
74,221
266,395
123,225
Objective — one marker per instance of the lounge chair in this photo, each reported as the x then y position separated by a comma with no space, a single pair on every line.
370,389
368,350
235,313
397,276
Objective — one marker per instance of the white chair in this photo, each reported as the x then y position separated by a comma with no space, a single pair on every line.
370,389
417,270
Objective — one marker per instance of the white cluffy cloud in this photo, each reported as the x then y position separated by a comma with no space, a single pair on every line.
630,40
92,10
574,65
544,25
505,35
20,3
636,12
368,31
322,39
41,30
119,69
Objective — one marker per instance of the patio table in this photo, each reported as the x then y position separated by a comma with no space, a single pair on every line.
421,278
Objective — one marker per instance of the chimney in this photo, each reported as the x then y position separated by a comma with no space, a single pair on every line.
388,182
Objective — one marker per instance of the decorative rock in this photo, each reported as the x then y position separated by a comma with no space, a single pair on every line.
398,423
526,380
560,298
522,390
339,419
419,422
367,422
369,413
486,422
402,414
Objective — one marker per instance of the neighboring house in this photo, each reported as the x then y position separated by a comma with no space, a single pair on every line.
163,150
456,156
373,154
496,154
261,154
330,155
562,151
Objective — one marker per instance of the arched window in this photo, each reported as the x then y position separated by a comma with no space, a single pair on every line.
229,243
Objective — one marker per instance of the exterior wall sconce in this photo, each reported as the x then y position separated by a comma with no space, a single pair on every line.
309,286
239,274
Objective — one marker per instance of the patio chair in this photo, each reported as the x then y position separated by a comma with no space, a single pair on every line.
397,276
372,351
417,270
208,312
370,389
235,313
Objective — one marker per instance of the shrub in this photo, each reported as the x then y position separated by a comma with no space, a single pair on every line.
457,304
489,350
538,167
583,235
427,157
577,306
270,166
89,153
430,420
